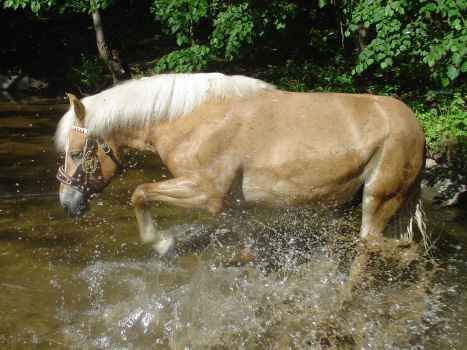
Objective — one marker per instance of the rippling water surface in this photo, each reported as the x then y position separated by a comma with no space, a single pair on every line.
89,283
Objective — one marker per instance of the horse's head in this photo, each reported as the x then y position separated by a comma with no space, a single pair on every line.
90,164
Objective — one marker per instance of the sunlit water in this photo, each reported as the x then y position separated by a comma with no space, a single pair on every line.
89,283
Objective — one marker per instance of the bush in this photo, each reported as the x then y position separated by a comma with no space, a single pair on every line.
193,58
418,37
91,75
445,126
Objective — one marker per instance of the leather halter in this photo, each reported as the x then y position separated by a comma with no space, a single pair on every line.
80,180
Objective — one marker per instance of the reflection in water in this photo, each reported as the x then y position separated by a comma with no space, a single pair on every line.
90,284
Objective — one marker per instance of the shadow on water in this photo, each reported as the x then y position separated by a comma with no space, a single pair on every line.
90,284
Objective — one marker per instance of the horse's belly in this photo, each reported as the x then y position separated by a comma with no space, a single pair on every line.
269,188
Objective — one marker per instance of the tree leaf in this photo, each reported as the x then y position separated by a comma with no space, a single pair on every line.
452,72
456,58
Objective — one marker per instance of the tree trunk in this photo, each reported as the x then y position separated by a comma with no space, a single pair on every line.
361,37
110,57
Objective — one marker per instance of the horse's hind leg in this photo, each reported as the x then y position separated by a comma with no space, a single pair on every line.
376,213
383,196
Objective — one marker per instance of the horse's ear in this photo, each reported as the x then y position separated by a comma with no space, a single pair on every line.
78,107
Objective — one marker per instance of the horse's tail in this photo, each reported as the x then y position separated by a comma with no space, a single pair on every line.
411,214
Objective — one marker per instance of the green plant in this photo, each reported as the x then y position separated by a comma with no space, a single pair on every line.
445,124
431,34
91,74
180,17
75,5
232,27
304,75
193,58
215,29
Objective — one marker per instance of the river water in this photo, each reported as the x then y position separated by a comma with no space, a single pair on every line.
89,283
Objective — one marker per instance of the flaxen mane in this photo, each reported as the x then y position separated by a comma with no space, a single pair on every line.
155,99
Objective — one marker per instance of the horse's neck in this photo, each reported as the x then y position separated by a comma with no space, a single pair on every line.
135,138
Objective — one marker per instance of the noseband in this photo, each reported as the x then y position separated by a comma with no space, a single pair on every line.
80,180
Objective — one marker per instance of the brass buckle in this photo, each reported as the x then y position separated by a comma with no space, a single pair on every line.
90,164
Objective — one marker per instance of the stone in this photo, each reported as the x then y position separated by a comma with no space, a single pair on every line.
443,186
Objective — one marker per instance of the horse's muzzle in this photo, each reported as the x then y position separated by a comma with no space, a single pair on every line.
73,202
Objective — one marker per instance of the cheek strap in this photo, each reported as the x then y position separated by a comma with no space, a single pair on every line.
108,151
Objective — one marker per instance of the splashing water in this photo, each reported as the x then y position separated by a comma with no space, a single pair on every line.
282,301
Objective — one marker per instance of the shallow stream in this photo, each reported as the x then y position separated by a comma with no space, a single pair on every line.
89,283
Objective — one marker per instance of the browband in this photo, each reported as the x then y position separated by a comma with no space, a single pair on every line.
79,129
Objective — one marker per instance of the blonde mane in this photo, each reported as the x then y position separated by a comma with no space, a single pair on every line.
152,100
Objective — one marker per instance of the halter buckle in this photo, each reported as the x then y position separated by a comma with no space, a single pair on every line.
90,164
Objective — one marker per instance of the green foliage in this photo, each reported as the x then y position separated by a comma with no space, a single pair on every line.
179,17
304,75
447,120
90,76
428,33
45,5
233,27
34,5
193,58
224,29
444,123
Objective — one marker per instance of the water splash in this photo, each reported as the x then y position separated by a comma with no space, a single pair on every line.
290,300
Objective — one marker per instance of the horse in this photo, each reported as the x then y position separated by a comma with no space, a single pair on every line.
277,148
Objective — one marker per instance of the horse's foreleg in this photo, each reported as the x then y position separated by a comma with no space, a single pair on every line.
183,191
162,241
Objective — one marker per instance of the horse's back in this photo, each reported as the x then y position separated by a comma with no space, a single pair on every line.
320,148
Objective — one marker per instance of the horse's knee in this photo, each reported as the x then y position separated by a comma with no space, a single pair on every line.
139,197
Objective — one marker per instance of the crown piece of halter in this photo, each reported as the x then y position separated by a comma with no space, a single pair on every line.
79,129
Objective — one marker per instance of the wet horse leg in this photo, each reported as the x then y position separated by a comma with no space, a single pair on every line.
383,196
376,213
183,191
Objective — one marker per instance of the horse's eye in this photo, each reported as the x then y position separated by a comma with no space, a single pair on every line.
76,154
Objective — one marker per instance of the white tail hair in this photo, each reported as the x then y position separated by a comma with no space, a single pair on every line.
410,215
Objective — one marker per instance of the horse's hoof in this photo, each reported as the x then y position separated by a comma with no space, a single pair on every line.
165,247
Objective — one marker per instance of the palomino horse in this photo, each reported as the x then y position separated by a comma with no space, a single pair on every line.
287,149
